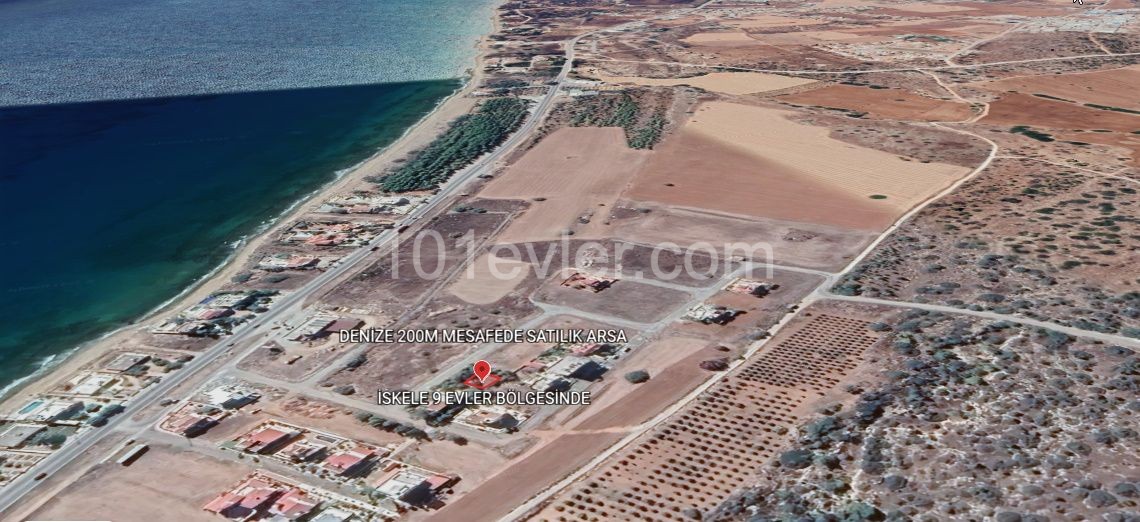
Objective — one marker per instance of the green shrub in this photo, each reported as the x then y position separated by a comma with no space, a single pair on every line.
637,376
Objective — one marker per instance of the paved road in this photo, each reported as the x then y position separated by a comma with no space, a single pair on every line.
252,331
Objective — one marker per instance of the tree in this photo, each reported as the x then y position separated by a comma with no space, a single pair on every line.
53,439
637,376
796,459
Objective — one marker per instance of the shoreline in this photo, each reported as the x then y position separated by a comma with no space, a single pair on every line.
427,128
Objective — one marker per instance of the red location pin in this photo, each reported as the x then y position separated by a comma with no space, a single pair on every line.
481,370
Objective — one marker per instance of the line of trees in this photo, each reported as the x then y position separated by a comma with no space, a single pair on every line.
469,137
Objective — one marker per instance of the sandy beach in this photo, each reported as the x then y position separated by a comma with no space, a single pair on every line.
134,335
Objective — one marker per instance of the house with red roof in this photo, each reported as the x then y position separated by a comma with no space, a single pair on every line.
246,500
294,505
266,440
350,463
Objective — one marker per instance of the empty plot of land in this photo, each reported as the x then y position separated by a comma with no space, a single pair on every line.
628,300
893,104
489,278
800,244
918,7
723,82
673,366
1025,109
579,171
724,38
474,463
927,7
753,161
816,37
962,29
1114,88
765,21
695,171
163,484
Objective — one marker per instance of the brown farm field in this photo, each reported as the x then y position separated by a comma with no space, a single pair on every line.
893,104
578,172
754,161
766,21
1114,87
1026,109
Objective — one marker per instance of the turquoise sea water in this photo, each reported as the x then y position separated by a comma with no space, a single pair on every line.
140,139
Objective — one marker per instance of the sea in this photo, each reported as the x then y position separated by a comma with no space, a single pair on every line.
141,141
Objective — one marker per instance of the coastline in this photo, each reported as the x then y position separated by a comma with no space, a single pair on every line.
56,366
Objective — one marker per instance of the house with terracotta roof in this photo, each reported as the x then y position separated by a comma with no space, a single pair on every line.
350,463
265,440
439,481
194,425
294,505
587,349
246,500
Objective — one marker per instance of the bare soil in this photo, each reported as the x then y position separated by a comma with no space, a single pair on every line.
889,104
598,163
165,483
1025,109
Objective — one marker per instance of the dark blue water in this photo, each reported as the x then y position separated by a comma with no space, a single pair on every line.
111,208
139,139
